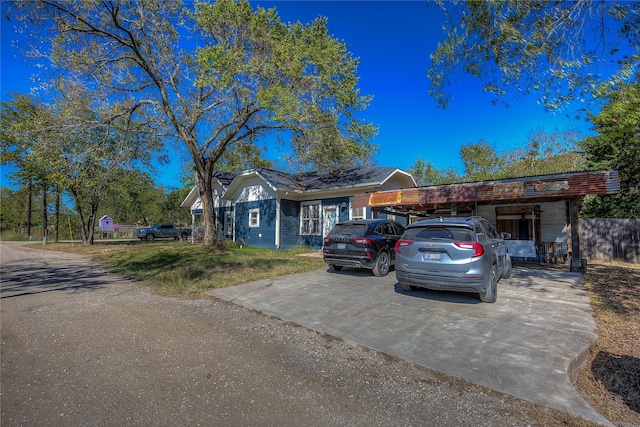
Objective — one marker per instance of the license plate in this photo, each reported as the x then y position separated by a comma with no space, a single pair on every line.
342,246
431,257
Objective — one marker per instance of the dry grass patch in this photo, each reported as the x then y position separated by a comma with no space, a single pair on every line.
611,379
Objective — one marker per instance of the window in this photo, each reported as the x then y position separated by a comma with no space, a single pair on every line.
357,213
399,229
228,217
490,230
310,219
254,217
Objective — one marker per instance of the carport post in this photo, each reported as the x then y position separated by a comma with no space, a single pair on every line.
576,261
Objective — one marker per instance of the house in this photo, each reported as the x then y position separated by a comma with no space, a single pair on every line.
273,209
105,222
106,226
223,209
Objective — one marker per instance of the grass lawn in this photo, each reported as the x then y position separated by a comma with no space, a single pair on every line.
181,269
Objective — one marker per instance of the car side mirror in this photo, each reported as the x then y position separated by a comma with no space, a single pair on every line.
505,236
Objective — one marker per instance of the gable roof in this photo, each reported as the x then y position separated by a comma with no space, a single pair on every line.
315,181
223,178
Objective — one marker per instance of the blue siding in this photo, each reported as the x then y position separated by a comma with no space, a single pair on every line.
263,236
289,224
314,242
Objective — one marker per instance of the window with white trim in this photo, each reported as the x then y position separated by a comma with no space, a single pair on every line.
357,213
310,219
254,217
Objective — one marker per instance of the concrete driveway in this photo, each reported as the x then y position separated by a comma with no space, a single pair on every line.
528,344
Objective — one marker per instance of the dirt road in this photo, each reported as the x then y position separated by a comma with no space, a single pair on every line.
83,347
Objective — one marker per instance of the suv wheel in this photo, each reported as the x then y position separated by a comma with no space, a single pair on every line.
150,237
381,267
491,293
335,267
507,267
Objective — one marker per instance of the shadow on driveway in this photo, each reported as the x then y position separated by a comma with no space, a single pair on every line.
37,274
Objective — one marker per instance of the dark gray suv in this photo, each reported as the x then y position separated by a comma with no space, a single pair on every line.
366,243
454,254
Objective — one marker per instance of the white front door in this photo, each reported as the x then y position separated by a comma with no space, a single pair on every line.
330,217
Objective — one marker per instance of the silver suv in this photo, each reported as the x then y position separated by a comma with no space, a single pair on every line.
454,254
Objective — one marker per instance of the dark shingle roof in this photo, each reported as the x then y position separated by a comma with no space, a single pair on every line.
309,181
224,178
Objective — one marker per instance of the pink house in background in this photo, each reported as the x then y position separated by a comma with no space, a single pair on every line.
106,224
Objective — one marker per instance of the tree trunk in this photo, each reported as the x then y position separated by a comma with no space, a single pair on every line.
57,220
45,216
29,207
93,215
86,230
204,182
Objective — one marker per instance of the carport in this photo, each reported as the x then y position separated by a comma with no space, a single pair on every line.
539,212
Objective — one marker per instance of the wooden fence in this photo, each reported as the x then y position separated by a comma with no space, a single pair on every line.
610,239
121,232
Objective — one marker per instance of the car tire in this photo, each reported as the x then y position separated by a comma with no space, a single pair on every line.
184,236
507,267
150,237
406,287
382,265
490,294
335,267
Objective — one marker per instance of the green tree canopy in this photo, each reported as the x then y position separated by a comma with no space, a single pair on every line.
546,153
560,50
131,197
617,147
66,145
542,153
426,174
481,161
211,76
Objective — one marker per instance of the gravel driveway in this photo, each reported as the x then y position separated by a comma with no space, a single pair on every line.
83,347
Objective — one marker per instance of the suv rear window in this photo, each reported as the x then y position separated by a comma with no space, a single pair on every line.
341,230
439,232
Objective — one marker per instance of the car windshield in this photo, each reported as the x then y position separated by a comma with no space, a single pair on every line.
439,232
348,230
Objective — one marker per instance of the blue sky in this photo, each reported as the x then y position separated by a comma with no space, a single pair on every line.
393,40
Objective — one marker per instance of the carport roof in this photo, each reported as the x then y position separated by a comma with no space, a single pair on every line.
542,187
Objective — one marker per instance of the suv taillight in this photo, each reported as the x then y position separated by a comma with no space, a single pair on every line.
401,243
362,241
477,247
327,240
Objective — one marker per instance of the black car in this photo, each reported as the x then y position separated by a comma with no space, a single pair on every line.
365,243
